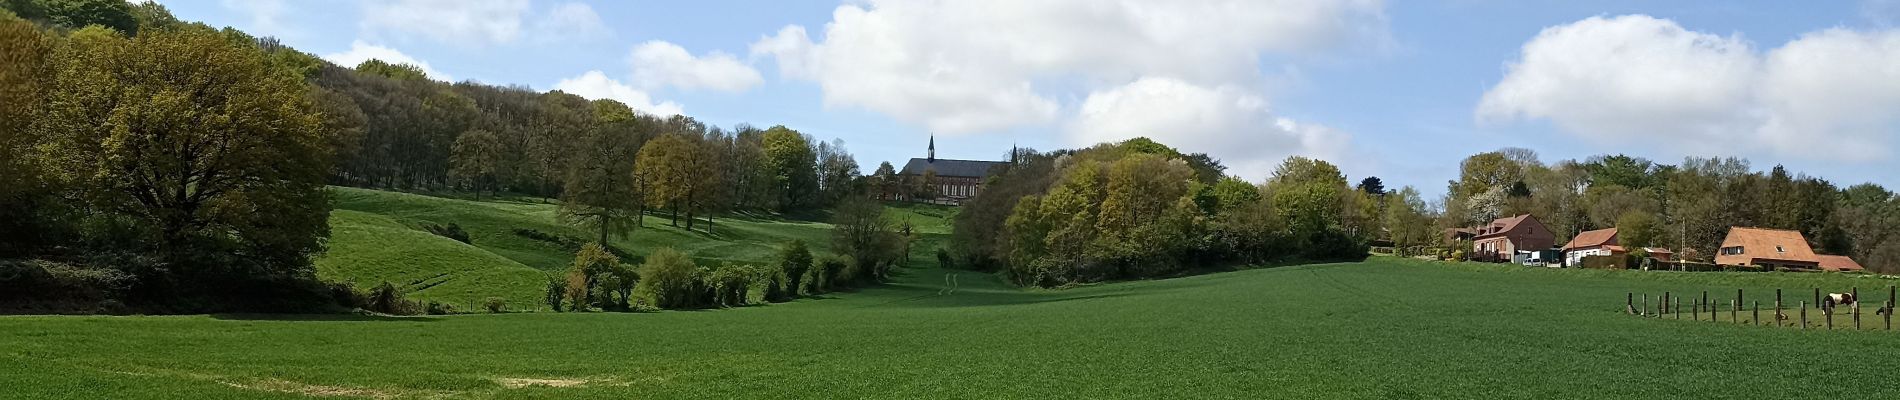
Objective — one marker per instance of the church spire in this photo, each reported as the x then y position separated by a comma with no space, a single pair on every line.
932,155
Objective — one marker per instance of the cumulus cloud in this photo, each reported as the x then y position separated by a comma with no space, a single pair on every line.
479,23
595,85
1226,122
361,51
1824,95
972,66
659,64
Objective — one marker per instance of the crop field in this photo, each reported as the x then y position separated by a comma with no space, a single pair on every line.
1384,328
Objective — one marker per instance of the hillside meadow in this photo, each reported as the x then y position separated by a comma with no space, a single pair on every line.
379,236
1383,328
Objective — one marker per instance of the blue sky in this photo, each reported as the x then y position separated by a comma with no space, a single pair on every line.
1400,89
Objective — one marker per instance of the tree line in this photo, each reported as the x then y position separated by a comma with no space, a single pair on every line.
1138,209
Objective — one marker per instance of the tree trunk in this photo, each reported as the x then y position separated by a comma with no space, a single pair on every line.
605,221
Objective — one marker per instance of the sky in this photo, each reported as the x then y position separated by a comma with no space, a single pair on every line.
1401,90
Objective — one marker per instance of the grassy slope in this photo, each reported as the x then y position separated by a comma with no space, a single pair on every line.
377,236
1385,328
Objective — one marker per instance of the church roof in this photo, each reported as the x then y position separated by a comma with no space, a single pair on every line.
951,168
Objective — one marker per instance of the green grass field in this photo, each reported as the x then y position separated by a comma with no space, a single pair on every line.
377,236
1385,328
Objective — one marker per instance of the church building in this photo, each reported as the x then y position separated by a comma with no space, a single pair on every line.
955,180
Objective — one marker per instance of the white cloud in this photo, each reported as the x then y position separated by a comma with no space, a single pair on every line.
985,65
1838,86
1826,95
267,16
1627,77
660,64
1226,122
595,85
361,51
479,23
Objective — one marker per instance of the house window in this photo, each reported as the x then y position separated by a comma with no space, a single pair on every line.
1732,251
1778,249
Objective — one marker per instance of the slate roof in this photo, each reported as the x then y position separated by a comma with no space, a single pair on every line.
951,168
1592,239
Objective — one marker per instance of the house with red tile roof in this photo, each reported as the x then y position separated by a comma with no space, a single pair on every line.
1505,237
1773,248
1601,242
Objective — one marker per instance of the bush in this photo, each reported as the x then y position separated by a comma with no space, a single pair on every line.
577,291
795,261
729,284
495,305
436,308
944,260
557,291
387,299
833,272
39,279
1604,262
565,242
670,280
451,231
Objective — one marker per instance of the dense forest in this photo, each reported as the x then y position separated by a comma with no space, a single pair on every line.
182,168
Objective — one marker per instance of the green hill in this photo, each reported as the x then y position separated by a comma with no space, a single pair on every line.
379,236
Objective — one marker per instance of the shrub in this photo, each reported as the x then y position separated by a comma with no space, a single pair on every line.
436,308
557,291
44,280
795,261
1605,262
669,279
769,284
387,299
832,273
729,284
495,305
944,260
451,231
577,285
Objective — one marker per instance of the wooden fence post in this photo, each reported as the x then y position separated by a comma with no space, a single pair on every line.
1734,312
1695,309
1708,306
1666,298
1857,314
1889,315
1778,315
1817,297
1827,313
1757,319
1629,303
1645,305
1804,315
1678,311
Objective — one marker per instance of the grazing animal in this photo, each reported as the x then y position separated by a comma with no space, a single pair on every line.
1835,299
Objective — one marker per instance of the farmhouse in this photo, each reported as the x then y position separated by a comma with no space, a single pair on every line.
1502,239
1601,242
953,180
1773,248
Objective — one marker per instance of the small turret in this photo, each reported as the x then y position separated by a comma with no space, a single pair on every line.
932,154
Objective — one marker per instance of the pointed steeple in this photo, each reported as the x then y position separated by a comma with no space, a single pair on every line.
932,155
